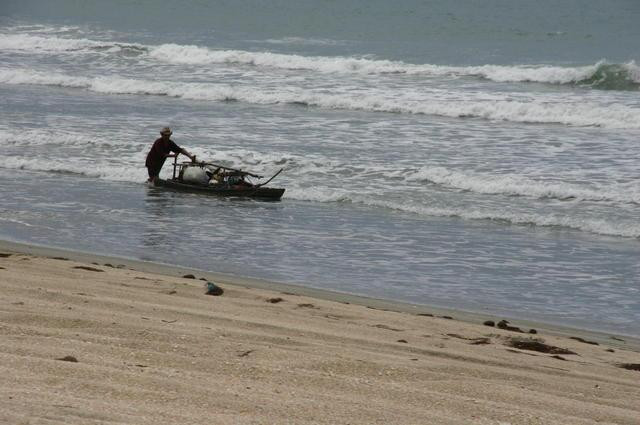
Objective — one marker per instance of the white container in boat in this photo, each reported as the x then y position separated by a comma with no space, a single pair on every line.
194,174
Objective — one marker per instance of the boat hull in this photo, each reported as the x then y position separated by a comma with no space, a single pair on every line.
267,193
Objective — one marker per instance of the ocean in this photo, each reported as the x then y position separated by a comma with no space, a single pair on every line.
483,156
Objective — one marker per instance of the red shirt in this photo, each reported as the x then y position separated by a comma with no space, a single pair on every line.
159,151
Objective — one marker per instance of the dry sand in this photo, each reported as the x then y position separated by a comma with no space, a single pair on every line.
154,349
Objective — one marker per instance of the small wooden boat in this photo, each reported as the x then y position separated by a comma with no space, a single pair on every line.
213,179
253,191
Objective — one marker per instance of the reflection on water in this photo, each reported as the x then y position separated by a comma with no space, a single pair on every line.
159,208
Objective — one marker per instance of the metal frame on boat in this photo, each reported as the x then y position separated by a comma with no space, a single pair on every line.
234,183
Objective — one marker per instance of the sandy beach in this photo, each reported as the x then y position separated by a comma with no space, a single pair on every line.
88,342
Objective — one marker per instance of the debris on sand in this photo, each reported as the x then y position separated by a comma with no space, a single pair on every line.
91,269
537,345
577,338
630,366
68,359
213,289
275,300
504,324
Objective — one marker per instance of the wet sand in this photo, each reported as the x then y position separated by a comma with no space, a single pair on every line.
89,339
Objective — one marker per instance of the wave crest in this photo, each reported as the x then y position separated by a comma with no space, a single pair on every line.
534,111
602,75
613,77
40,44
512,185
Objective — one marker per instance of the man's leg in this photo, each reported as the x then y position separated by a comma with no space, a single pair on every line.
153,174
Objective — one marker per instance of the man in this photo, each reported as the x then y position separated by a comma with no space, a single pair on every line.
160,151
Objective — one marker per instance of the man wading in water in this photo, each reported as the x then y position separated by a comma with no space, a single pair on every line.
160,151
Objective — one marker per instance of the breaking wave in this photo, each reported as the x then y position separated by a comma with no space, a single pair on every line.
534,111
602,75
133,173
513,185
93,169
39,44
380,180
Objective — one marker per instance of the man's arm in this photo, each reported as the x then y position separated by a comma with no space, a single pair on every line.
191,157
177,149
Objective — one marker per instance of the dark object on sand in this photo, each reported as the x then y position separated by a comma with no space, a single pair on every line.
533,331
189,276
5,255
630,366
537,345
489,323
68,359
583,340
91,269
274,300
213,289
213,179
504,324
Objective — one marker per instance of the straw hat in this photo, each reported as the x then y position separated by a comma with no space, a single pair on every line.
166,130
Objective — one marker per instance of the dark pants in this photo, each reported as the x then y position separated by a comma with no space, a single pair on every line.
154,171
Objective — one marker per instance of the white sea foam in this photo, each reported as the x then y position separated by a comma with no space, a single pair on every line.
25,42
60,138
514,185
301,41
56,45
199,55
533,111
132,172
176,53
299,186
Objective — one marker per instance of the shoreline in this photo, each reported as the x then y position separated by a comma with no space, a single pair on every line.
609,338
96,339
